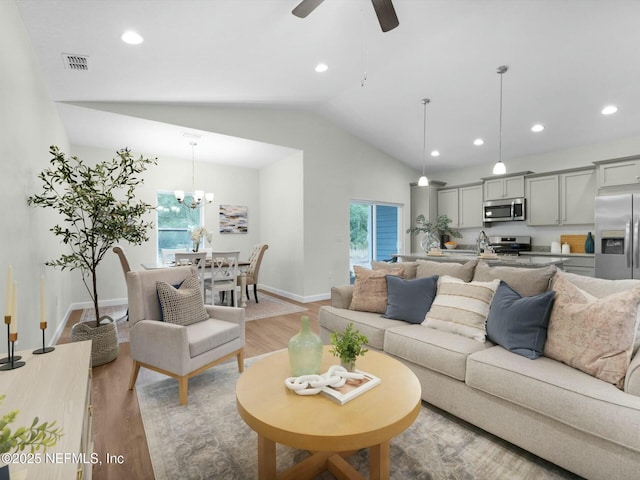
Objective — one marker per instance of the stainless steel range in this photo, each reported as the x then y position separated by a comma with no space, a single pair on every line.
510,245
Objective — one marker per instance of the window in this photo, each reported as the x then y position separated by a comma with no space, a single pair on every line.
175,221
374,233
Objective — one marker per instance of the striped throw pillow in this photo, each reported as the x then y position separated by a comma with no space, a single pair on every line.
461,307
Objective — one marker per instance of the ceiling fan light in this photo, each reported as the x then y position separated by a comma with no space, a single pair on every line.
423,181
499,168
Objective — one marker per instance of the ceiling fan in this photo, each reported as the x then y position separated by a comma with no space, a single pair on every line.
384,10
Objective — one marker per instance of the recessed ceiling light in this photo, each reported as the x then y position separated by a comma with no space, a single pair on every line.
478,142
132,38
609,109
321,67
435,153
538,127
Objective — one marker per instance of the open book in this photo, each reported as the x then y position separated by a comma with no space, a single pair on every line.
351,389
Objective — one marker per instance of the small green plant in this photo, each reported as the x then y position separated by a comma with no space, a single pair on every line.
348,345
441,227
44,435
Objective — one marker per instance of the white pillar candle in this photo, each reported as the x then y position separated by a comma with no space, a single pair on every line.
8,308
43,317
13,328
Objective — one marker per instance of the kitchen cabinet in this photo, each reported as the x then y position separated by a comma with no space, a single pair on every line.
463,205
565,198
619,172
580,266
504,187
424,201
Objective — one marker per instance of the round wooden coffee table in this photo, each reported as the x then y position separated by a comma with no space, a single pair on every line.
330,431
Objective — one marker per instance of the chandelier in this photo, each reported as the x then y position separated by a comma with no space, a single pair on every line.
199,197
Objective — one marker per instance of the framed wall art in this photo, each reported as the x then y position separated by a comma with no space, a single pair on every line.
233,219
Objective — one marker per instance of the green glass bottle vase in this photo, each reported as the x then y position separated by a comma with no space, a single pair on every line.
305,351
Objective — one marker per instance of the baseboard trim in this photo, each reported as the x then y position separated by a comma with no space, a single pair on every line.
292,296
80,306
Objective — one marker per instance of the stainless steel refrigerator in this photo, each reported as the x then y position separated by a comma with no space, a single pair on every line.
617,248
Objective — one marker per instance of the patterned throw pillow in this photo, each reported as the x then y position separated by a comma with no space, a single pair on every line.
461,307
594,335
183,305
370,289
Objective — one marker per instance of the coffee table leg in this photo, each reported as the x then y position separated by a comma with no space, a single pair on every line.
266,458
379,461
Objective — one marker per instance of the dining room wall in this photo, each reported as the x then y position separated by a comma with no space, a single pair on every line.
29,124
337,167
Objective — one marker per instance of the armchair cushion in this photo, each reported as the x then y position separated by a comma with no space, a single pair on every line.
211,333
183,305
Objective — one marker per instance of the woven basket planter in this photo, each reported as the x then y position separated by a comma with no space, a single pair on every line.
104,340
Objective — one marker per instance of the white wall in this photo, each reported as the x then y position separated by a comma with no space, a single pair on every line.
337,167
29,124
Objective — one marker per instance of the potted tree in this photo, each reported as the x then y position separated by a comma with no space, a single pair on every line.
435,234
98,207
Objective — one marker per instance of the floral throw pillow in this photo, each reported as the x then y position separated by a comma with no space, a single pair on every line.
594,335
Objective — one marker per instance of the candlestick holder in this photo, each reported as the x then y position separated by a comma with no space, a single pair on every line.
13,364
40,351
7,359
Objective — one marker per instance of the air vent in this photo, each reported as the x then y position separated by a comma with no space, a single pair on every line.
76,62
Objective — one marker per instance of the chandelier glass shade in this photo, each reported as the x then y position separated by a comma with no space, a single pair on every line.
199,197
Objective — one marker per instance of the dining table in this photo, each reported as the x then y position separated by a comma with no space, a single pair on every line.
242,275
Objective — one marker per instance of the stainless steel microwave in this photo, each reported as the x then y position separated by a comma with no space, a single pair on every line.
507,210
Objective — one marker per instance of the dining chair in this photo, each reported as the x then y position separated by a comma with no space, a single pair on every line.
224,275
251,273
168,254
124,263
195,259
173,332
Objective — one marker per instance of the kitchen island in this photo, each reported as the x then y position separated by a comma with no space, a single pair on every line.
462,256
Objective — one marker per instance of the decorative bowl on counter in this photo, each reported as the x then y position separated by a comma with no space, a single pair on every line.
450,245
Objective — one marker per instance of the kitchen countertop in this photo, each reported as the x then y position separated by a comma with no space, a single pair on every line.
549,254
467,255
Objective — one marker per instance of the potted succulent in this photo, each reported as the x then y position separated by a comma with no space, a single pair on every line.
435,234
98,208
348,346
34,437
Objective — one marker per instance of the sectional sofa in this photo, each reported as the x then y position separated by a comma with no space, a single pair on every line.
566,389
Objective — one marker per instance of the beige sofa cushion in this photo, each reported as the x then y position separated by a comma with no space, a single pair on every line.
559,392
408,268
463,271
370,289
207,335
526,281
461,307
593,335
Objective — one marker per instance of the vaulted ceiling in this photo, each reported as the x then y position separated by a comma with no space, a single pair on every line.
567,59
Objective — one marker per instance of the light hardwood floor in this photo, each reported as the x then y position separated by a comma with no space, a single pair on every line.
117,427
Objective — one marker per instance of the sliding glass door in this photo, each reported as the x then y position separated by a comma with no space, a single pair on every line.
374,232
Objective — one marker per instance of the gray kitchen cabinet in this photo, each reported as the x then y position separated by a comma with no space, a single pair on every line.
565,198
580,266
470,206
504,187
618,172
448,205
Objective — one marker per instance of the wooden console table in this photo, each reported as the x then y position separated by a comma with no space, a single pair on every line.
54,386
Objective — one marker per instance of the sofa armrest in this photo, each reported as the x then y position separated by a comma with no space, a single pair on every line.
341,296
632,378
228,314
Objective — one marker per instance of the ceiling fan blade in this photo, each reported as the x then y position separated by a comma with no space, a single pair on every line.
305,7
386,14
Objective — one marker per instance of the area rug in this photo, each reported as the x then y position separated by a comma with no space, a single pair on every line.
117,312
269,307
207,439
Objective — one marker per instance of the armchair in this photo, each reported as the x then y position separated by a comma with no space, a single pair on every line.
179,351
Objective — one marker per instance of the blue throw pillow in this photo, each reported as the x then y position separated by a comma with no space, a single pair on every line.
519,323
410,300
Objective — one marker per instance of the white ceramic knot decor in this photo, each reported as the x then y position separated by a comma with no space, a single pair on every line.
336,376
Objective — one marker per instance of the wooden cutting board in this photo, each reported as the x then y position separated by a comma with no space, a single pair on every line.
576,242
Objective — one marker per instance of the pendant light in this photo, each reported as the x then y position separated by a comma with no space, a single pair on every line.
424,181
198,195
499,168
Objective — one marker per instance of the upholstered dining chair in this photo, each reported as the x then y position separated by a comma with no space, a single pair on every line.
197,259
173,332
251,273
124,263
